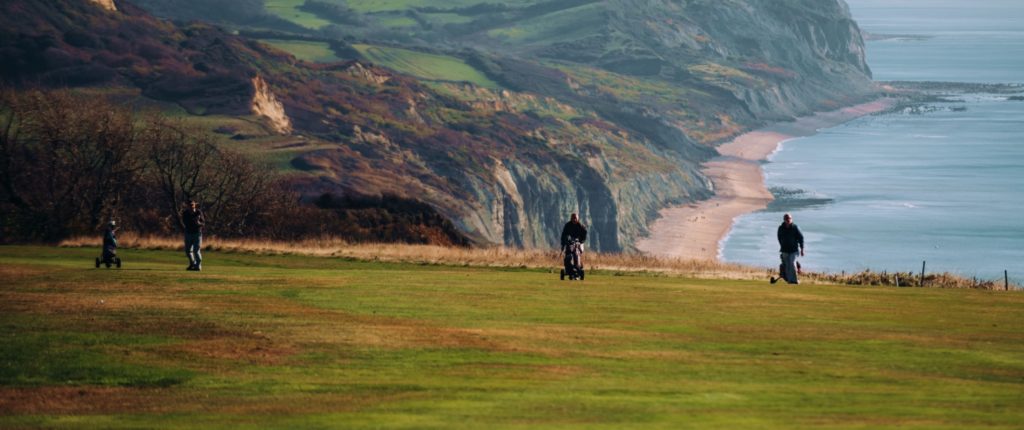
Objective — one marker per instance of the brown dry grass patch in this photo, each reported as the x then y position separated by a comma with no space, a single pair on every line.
14,273
86,400
93,400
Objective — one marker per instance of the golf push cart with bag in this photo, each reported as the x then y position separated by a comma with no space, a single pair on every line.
572,260
109,255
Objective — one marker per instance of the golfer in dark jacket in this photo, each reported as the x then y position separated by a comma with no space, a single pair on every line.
791,242
573,229
192,221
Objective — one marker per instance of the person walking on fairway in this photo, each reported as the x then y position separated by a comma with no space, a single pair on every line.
110,241
574,230
791,242
192,220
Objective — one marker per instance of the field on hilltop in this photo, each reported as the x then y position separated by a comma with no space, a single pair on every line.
424,65
288,341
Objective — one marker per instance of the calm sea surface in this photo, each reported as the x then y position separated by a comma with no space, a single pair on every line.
887,192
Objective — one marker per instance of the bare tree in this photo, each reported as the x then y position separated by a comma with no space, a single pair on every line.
62,160
68,162
178,161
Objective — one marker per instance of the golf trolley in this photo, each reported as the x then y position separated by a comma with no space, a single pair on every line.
108,258
782,272
573,253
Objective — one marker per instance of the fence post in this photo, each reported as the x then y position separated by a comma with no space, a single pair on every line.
921,284
1006,280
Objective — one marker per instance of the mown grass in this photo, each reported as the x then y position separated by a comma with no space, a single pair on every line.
423,65
289,341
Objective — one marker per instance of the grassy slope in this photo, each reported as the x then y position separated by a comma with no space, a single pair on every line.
317,52
424,65
289,10
287,342
402,5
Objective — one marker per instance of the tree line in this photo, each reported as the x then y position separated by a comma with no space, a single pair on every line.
69,163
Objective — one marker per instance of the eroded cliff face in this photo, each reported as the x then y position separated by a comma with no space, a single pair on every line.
265,104
766,60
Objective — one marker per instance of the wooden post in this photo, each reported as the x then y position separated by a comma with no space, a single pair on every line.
1006,280
922,274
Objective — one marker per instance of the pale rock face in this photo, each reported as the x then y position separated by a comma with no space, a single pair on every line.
265,104
359,71
106,4
512,198
370,137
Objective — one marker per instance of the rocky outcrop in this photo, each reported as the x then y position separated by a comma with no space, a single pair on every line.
106,4
265,104
360,71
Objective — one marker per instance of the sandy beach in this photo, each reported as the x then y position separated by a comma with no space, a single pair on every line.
694,231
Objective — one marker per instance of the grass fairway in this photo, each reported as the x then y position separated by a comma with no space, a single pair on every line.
301,342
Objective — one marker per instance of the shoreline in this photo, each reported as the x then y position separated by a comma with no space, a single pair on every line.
696,231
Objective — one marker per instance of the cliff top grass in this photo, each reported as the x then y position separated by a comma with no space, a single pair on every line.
294,341
402,5
424,65
289,10
316,52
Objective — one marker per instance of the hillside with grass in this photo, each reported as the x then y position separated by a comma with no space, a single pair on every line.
678,76
293,341
501,116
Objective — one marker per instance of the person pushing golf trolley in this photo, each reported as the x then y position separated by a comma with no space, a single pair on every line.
791,245
573,235
108,256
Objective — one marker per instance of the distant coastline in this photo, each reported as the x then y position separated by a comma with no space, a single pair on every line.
695,231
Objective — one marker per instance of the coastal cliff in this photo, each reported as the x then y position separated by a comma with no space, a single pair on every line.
605,108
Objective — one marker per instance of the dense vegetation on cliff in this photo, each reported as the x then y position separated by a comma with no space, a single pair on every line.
502,117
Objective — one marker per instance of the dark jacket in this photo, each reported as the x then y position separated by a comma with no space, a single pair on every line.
573,229
193,221
110,239
790,238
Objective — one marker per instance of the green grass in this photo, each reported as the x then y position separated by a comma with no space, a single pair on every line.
396,21
298,342
403,5
424,65
564,25
448,18
289,10
316,52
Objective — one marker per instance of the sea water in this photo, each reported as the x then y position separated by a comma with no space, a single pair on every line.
943,185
